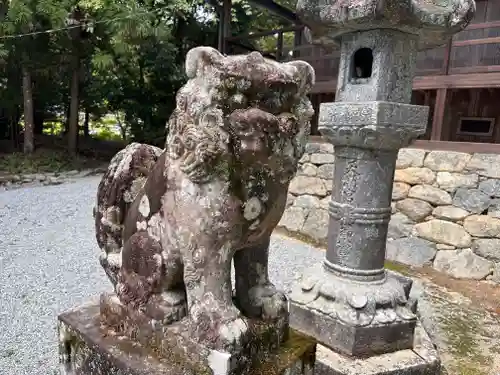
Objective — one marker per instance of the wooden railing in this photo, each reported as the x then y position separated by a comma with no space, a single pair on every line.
474,50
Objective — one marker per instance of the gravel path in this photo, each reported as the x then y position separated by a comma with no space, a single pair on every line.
48,263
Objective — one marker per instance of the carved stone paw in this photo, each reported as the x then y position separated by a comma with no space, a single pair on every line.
271,302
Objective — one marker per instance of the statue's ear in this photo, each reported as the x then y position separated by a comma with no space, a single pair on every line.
305,74
198,58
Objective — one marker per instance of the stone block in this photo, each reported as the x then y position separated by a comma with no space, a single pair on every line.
447,161
293,219
422,359
482,226
430,194
488,248
411,250
415,176
322,158
87,347
325,171
452,181
450,213
410,157
462,264
487,165
307,169
446,232
415,209
316,225
308,185
399,226
490,187
400,191
472,200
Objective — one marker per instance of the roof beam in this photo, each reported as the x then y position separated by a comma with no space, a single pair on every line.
277,9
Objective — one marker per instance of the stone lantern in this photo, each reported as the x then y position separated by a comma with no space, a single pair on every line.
351,304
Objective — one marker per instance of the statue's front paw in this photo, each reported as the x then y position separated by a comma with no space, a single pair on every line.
272,303
232,333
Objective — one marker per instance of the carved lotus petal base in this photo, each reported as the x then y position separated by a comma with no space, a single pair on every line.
354,318
88,346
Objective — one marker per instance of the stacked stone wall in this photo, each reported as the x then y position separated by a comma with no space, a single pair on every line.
446,208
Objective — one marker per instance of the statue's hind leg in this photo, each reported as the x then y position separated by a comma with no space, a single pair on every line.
143,284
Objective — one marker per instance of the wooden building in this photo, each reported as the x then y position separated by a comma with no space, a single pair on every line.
460,81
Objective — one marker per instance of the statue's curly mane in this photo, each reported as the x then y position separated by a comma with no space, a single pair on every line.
201,135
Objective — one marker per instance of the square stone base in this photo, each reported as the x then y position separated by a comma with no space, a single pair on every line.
87,347
423,359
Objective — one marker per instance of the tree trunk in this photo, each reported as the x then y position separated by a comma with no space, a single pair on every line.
73,106
29,141
86,123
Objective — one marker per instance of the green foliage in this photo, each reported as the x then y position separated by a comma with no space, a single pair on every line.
130,54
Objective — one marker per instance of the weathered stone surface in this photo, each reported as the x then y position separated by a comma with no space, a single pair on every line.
319,148
411,250
485,164
410,157
451,181
488,248
415,209
307,202
490,187
324,203
447,161
316,225
442,246
400,191
494,209
322,158
445,232
308,185
325,171
451,213
462,264
289,200
430,194
293,219
399,226
307,169
495,277
482,226
414,176
472,200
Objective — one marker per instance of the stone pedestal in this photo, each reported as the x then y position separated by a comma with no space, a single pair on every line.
88,346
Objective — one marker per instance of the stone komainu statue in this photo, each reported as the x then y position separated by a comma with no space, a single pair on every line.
169,222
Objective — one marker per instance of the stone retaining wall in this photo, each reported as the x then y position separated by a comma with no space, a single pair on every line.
446,209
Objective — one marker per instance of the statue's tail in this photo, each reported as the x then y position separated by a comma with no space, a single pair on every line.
125,176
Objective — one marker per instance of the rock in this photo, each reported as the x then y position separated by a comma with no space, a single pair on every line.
307,169
442,246
462,264
399,226
430,194
73,172
450,213
415,209
325,203
447,161
308,185
293,219
482,226
319,148
307,202
400,191
414,176
488,248
409,157
53,181
316,225
451,181
495,277
485,164
444,232
325,171
494,209
40,177
289,200
490,187
412,251
322,158
304,159
472,200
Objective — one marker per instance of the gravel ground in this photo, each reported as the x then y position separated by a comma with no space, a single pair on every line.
48,263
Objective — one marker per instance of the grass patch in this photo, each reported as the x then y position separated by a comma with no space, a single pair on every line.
463,343
43,161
